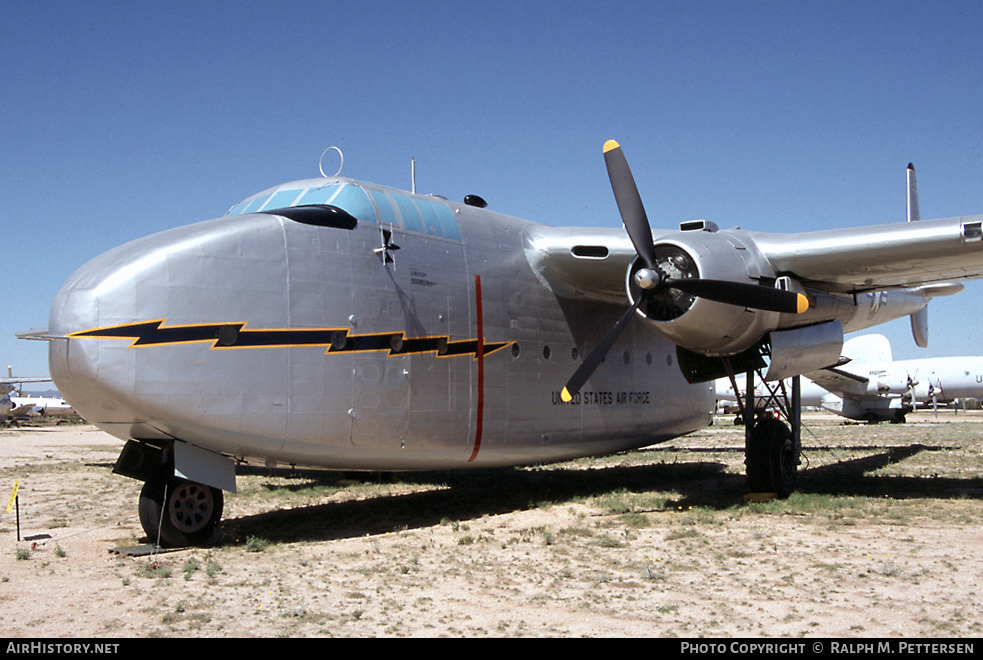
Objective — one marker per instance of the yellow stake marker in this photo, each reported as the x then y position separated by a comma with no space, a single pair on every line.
13,495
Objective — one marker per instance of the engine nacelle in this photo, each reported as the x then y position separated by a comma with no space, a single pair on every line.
884,383
697,324
718,329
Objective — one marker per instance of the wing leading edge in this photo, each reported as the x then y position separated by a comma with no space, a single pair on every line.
584,263
879,257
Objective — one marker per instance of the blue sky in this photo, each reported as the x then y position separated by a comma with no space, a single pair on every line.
122,119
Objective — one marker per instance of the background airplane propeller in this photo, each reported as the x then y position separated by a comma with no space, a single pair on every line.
652,279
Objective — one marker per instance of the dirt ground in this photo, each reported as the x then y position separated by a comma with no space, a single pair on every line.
883,539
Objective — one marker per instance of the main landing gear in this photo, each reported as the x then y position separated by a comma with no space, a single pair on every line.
772,448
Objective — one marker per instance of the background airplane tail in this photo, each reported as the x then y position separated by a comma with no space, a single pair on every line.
868,348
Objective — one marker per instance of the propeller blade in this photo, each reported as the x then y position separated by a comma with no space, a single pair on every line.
595,357
629,202
637,225
755,296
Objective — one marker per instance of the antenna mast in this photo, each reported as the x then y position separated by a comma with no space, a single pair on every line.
413,174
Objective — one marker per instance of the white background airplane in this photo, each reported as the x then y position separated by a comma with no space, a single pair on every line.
9,409
872,387
40,405
882,389
14,406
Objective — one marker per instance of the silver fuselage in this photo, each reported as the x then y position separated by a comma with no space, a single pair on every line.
272,341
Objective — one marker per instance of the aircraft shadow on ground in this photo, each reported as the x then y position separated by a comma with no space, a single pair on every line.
468,495
461,496
853,477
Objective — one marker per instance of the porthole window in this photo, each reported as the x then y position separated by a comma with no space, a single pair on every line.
574,354
648,359
515,351
626,357
547,352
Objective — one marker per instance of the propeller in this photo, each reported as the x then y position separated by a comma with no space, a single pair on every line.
595,357
652,280
629,202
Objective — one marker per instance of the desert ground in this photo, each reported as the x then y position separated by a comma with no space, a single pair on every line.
882,539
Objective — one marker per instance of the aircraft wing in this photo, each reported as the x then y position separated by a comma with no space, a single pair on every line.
21,411
591,263
879,257
839,381
579,262
11,384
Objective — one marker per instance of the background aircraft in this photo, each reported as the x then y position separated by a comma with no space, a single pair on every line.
881,389
728,402
40,405
871,387
11,406
277,335
10,410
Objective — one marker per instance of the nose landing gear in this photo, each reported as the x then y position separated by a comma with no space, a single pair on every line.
176,512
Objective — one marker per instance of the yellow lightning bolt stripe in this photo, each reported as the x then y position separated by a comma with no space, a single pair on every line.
147,334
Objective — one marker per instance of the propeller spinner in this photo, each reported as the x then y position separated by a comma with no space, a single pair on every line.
652,280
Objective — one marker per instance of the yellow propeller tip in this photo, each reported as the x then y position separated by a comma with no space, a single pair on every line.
803,304
609,145
565,395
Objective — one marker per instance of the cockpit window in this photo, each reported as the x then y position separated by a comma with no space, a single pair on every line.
354,200
407,210
282,199
250,205
438,219
310,208
238,208
387,214
416,214
448,222
321,195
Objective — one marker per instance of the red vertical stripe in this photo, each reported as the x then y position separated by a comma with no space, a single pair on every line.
480,356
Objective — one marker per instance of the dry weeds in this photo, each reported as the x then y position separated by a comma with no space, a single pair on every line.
882,540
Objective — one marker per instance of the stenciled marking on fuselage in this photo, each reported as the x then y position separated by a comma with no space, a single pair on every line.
235,335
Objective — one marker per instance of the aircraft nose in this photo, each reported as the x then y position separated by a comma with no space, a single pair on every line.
93,378
230,268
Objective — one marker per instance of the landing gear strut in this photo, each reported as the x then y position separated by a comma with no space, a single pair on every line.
772,448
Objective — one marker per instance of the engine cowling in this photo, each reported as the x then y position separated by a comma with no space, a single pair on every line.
697,324
893,382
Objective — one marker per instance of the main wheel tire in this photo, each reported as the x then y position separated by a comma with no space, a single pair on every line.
771,459
189,517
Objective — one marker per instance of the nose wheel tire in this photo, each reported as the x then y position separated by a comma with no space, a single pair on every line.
179,513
